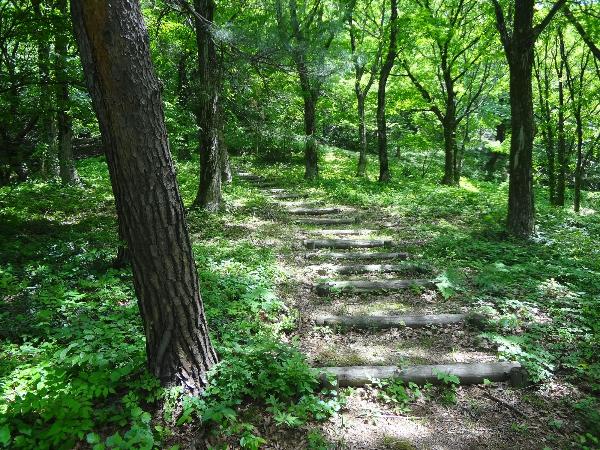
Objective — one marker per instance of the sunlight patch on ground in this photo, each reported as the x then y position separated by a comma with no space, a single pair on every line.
468,186
587,211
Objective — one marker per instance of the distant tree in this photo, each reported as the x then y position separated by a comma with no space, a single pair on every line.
384,73
306,31
207,110
363,27
518,46
594,48
114,49
67,170
454,43
544,76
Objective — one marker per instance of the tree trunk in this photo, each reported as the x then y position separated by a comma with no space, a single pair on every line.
68,171
449,150
114,48
311,150
182,89
579,166
561,149
519,50
362,133
209,191
449,123
386,68
551,167
226,175
47,125
521,221
460,151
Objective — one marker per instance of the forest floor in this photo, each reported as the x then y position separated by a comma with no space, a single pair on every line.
72,346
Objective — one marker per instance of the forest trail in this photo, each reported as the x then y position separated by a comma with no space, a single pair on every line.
369,310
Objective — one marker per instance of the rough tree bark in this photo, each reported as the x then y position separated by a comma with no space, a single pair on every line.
67,169
207,114
519,50
384,73
114,48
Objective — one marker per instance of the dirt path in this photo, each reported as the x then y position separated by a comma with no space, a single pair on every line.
333,255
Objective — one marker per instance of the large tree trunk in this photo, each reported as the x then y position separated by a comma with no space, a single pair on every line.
386,68
68,171
362,133
114,48
521,220
209,191
519,49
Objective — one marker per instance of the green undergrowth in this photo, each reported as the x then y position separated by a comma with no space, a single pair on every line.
72,356
541,297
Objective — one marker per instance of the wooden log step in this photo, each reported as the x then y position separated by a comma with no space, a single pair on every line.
276,190
313,211
249,176
467,373
345,232
381,322
327,220
346,243
358,256
288,196
369,286
371,268
265,184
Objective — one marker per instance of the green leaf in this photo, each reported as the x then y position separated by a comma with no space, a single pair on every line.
4,435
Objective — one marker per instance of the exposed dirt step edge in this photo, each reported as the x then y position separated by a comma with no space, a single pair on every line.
467,373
